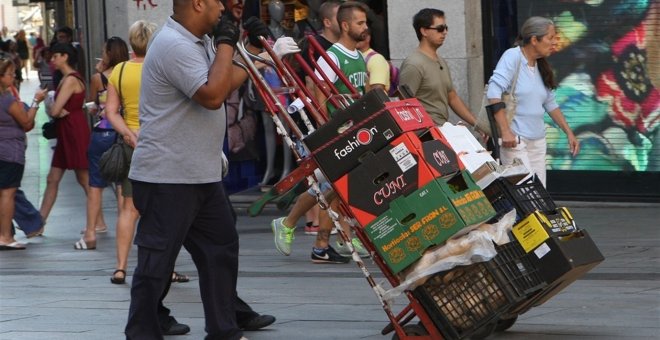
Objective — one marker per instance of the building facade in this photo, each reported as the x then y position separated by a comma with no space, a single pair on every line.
608,78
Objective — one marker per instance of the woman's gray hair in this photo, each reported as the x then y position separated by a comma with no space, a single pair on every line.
534,27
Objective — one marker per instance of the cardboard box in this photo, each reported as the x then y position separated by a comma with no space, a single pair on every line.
408,163
536,228
412,224
367,125
468,199
462,141
490,171
427,217
436,152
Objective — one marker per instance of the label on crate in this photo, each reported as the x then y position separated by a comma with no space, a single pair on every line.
403,157
542,250
530,232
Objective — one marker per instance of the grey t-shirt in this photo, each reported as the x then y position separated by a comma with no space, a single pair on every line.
430,81
180,141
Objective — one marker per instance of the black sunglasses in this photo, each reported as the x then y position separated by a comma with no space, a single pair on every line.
439,28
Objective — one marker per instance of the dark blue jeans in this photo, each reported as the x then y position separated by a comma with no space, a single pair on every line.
27,217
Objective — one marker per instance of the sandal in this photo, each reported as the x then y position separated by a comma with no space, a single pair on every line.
176,277
99,230
12,246
118,280
82,245
35,233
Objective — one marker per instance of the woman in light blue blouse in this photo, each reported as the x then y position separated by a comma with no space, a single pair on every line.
524,137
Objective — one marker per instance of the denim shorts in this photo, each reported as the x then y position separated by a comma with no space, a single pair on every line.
100,142
324,185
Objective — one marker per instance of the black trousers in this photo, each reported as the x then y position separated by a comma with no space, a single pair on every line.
244,313
199,217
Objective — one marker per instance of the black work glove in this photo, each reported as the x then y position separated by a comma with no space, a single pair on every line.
226,31
256,28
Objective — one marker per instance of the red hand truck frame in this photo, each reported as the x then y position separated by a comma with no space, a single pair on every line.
296,88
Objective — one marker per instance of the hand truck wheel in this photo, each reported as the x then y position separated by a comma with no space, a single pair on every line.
506,323
484,331
412,329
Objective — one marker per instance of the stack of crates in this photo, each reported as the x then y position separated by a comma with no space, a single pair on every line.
397,176
465,299
560,250
408,190
548,249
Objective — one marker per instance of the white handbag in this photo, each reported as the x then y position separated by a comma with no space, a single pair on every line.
508,98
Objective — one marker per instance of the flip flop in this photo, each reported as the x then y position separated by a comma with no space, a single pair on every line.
99,230
12,246
118,280
176,277
82,245
35,233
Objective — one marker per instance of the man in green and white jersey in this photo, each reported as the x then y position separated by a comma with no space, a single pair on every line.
352,19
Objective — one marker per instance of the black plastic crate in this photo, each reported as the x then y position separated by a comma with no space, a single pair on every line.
520,274
565,259
530,195
462,300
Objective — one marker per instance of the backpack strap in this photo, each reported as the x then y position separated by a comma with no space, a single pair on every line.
369,55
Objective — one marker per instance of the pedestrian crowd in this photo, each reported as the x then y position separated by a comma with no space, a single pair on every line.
165,104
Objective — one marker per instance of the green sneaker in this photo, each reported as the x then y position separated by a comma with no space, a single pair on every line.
363,252
283,236
343,250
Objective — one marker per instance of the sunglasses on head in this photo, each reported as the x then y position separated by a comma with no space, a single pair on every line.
439,28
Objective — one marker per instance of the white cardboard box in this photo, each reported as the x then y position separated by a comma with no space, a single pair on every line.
469,150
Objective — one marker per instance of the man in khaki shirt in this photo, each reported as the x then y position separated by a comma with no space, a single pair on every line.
427,74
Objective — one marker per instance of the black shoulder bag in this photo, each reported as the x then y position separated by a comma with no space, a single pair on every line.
115,163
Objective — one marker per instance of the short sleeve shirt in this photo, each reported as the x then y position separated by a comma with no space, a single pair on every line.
430,81
350,63
378,68
130,90
12,136
180,141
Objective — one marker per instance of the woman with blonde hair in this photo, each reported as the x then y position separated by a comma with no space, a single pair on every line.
124,91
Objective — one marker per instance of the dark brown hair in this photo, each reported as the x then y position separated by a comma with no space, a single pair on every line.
424,19
345,11
116,50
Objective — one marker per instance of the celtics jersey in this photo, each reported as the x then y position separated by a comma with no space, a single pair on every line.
353,66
